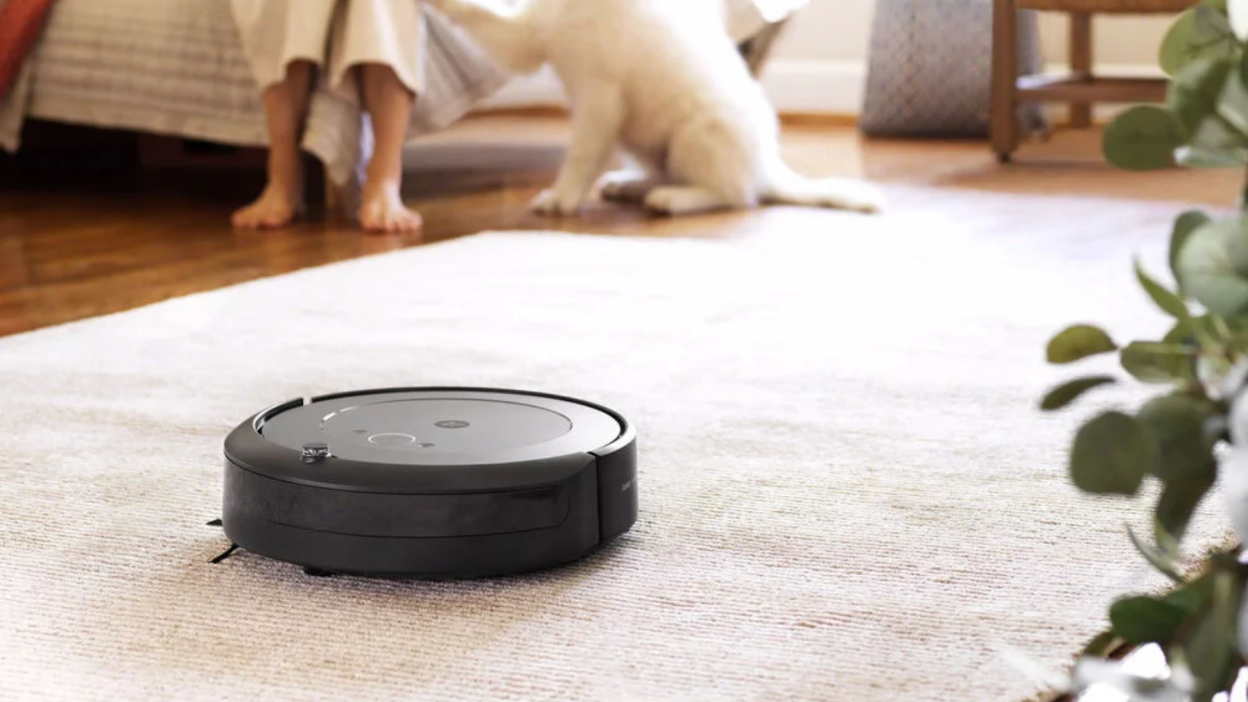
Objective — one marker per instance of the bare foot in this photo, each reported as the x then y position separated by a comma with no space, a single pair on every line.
276,207
382,209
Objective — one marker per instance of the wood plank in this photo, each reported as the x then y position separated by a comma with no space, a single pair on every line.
74,247
1097,90
1081,64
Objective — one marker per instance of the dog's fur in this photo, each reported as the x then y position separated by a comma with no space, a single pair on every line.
662,79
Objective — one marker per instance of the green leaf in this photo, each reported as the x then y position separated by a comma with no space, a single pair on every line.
1151,362
1066,393
1211,266
1184,225
1102,645
1194,92
1211,649
1193,334
1191,597
1182,334
1110,455
1144,620
1166,300
1226,328
1211,24
1161,561
1077,342
1243,68
1216,136
1176,423
1217,430
1234,334
1219,5
1233,103
1175,52
1185,42
1185,462
1143,138
1179,501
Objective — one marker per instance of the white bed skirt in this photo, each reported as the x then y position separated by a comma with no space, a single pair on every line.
176,67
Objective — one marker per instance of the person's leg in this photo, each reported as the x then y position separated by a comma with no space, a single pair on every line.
285,105
376,56
389,105
283,42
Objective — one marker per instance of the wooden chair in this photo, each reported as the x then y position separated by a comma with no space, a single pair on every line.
1081,89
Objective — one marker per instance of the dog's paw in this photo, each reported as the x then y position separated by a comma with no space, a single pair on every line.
625,186
674,200
855,196
662,201
545,203
552,203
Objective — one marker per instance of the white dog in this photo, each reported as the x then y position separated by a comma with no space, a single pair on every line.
664,80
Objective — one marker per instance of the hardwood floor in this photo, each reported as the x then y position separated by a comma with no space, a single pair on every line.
100,242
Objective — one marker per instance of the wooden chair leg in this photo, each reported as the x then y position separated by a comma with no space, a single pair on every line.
1004,119
1081,64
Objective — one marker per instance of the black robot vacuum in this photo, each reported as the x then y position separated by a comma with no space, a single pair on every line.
438,483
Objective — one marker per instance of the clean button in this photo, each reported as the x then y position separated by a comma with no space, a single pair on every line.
391,439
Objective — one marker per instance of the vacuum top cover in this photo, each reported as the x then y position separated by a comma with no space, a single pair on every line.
425,440
444,428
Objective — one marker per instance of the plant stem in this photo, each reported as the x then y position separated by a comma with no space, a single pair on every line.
1243,198
1219,325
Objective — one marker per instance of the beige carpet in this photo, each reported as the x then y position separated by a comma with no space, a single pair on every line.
846,491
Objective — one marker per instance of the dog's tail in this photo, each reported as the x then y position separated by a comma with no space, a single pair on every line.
784,186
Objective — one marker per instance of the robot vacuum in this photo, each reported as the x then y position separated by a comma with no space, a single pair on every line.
437,483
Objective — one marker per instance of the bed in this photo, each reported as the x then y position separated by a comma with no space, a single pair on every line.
176,68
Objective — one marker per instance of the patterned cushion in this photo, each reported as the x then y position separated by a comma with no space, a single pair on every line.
930,69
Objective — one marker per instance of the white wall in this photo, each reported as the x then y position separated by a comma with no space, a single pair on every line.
829,30
1122,43
820,63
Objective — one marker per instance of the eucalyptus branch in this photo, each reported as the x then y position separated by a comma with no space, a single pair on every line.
1203,359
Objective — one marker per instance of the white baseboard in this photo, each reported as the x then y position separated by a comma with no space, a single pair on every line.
795,86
